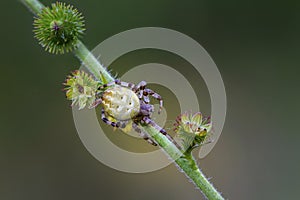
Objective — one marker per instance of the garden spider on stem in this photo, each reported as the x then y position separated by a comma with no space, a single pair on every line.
125,102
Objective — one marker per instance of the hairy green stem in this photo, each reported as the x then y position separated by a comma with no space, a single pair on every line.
184,161
34,5
91,63
189,166
166,144
187,163
86,57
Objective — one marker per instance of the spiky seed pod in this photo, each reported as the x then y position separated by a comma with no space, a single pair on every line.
81,89
59,27
192,129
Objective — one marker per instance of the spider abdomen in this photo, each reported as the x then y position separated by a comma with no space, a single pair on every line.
121,103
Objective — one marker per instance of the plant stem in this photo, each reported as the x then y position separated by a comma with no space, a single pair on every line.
91,63
187,163
86,57
189,166
184,161
163,142
33,5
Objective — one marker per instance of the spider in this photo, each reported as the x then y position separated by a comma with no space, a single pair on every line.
125,102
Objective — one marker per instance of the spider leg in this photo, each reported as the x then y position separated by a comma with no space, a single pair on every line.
147,120
156,96
143,92
146,99
118,82
140,94
141,86
143,134
105,120
139,89
107,84
96,103
125,84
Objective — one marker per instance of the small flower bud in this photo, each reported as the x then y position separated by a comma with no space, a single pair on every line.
81,88
192,129
59,27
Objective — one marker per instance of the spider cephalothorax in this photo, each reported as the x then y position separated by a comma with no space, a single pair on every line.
124,102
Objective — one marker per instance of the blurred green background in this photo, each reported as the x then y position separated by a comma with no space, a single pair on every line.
255,45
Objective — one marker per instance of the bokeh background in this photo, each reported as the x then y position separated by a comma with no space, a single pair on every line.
255,45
